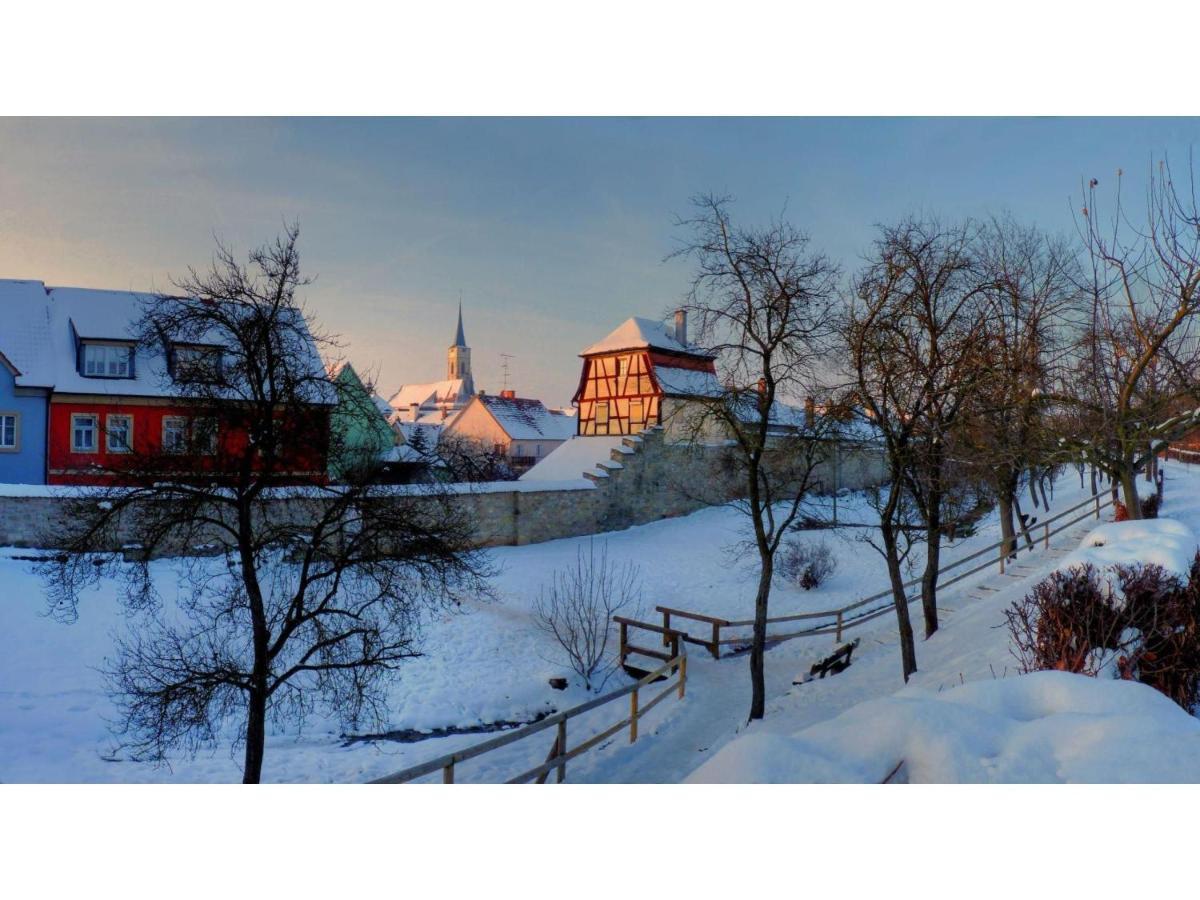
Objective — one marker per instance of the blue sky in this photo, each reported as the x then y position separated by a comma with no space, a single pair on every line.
553,230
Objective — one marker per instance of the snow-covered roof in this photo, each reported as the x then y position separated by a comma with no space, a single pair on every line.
41,325
687,382
528,420
25,333
449,391
577,456
639,333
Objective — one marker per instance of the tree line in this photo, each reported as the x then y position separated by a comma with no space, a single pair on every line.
982,356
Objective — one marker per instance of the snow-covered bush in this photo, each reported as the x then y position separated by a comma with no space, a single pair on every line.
577,606
1141,625
805,564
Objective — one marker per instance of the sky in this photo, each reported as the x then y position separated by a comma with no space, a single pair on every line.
552,231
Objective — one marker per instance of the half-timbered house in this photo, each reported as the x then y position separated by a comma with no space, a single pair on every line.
642,374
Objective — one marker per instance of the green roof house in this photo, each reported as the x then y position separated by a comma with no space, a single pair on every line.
360,434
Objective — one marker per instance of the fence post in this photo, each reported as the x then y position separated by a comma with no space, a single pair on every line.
448,774
1097,506
624,637
716,641
1002,555
682,677
666,625
561,776
633,716
838,639
1047,544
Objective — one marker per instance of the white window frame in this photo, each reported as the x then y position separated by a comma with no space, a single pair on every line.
202,357
95,417
622,366
15,446
106,362
108,430
182,422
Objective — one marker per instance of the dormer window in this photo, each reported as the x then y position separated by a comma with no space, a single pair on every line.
107,360
196,363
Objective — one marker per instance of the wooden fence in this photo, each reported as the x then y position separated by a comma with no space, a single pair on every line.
560,754
837,621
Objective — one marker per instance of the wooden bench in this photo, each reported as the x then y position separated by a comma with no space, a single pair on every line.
837,661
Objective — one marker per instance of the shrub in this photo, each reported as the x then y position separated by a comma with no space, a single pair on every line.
578,605
1149,506
805,564
1147,629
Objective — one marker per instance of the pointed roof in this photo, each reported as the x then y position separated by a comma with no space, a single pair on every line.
637,333
459,340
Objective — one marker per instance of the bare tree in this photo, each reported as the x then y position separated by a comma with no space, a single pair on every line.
917,356
577,608
308,597
1136,371
1032,298
764,305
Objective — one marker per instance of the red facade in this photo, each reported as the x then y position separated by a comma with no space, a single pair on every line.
85,437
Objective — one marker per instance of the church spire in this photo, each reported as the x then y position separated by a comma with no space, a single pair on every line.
459,340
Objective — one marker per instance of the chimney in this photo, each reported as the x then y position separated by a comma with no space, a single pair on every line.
414,410
810,411
681,326
508,394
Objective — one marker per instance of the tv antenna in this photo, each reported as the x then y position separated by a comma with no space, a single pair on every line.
504,366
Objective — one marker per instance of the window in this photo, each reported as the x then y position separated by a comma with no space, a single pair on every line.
9,430
196,363
539,450
602,415
636,414
174,434
107,361
120,433
204,435
623,366
83,433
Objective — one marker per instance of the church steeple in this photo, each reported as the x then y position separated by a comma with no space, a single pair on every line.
458,359
459,340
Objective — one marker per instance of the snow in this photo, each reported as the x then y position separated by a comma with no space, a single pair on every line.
1164,542
427,395
639,333
528,420
45,321
576,456
687,382
1037,728
488,662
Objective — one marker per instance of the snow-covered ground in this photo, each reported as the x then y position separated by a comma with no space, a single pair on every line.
489,662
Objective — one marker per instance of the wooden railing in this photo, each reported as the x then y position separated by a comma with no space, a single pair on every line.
560,754
838,621
1179,454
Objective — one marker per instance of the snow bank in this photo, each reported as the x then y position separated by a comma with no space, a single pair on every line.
1164,542
1042,727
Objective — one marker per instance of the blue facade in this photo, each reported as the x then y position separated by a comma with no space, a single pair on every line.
26,463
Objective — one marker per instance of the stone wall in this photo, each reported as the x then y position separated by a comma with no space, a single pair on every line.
647,479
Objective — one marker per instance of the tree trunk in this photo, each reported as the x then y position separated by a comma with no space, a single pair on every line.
908,650
1129,492
1007,532
758,686
929,578
1021,519
256,736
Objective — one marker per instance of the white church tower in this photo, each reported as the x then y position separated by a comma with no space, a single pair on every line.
458,360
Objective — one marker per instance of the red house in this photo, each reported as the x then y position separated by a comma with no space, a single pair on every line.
112,400
640,375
